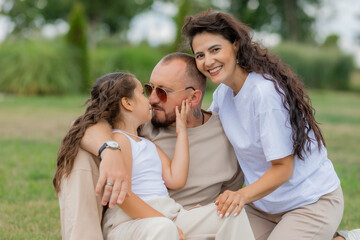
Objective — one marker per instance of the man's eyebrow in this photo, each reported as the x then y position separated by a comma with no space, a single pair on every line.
211,47
162,86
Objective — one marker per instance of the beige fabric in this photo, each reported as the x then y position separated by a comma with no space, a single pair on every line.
197,223
80,209
317,221
213,165
213,168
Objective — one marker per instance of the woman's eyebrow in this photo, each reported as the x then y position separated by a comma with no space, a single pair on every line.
211,47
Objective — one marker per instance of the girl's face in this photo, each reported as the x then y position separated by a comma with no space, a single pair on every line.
215,57
142,107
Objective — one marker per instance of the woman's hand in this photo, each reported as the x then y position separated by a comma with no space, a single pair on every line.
181,235
181,116
228,201
280,171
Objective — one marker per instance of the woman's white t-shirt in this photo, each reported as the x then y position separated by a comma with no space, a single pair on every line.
257,125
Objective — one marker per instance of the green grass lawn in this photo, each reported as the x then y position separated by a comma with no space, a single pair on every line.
31,129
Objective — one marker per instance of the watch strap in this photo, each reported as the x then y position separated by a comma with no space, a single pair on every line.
103,147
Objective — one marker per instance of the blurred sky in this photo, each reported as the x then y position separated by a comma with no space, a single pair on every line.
341,17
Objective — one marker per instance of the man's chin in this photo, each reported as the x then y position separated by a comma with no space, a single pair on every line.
161,124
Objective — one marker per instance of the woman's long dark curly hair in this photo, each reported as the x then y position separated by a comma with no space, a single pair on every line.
104,104
252,57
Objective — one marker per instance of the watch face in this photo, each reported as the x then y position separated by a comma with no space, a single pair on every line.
112,144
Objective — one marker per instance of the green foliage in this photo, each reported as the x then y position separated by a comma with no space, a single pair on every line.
318,67
32,14
77,37
139,60
184,9
288,18
331,41
37,68
34,68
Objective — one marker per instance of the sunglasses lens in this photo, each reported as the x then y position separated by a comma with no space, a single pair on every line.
161,94
148,90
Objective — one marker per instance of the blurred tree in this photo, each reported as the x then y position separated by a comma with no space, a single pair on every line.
331,41
286,17
184,9
30,14
77,38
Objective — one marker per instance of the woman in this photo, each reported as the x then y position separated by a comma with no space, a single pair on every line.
148,212
292,190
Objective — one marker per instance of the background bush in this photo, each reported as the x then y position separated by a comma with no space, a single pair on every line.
318,67
51,68
139,60
36,68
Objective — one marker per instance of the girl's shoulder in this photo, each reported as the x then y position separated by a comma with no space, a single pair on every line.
122,140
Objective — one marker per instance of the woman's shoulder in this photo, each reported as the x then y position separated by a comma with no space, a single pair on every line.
264,93
264,87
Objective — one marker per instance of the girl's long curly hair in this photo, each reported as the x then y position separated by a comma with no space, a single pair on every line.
104,104
252,57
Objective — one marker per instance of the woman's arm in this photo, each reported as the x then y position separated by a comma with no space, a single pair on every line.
175,171
111,167
280,171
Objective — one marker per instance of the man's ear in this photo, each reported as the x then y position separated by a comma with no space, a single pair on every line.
195,98
127,104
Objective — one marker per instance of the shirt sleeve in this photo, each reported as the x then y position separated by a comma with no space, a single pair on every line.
80,208
275,134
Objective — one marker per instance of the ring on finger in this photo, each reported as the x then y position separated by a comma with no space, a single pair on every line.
109,184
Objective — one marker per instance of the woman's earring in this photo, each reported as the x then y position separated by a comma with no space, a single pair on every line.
237,61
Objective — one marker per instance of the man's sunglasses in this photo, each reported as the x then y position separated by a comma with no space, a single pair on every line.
160,92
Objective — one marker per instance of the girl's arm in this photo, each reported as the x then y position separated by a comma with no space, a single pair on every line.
133,206
280,171
175,171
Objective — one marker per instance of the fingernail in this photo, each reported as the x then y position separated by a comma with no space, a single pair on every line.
221,215
235,214
119,201
217,201
111,205
227,214
218,212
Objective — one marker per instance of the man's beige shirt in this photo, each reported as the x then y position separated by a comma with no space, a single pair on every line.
213,165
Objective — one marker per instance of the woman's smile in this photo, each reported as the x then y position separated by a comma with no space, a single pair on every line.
215,71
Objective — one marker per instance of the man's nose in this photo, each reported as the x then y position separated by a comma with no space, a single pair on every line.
153,99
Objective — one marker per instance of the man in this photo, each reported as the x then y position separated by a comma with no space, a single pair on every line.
213,164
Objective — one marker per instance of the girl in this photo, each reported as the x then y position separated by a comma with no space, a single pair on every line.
148,212
292,190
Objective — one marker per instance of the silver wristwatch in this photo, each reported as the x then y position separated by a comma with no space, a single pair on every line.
108,144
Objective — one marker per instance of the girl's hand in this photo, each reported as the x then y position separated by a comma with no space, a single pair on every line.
181,235
228,201
181,116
